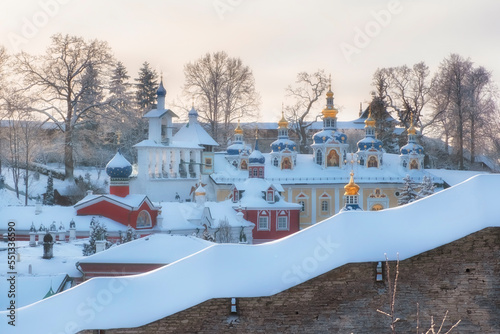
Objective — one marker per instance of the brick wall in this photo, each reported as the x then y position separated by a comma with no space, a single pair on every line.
462,277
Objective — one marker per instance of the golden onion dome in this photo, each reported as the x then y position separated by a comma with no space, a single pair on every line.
238,129
351,188
283,123
370,121
412,130
330,112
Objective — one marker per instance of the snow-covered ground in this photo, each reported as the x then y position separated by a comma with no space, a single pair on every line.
233,270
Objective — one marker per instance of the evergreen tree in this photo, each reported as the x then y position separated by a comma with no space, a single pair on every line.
146,87
427,187
407,193
129,235
49,193
98,232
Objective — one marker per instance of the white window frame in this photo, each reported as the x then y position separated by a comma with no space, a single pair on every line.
261,228
285,228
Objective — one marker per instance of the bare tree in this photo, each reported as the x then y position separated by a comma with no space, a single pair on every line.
224,91
58,79
406,90
306,91
223,233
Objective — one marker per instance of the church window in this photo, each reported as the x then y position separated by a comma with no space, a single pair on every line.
235,164
264,223
319,157
324,206
236,195
302,206
361,161
255,172
282,223
261,172
270,196
275,162
143,220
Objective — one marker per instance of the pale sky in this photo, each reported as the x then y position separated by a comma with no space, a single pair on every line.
275,38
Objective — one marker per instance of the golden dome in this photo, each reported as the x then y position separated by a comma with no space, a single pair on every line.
283,123
330,113
370,122
351,188
238,129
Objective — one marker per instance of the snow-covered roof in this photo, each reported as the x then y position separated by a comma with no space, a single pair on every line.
234,270
253,194
132,201
172,144
306,171
188,215
153,249
157,113
194,133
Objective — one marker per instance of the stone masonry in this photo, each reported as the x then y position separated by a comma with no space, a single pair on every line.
462,277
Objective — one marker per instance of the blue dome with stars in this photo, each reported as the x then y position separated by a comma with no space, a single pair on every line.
329,136
369,143
412,148
280,145
119,167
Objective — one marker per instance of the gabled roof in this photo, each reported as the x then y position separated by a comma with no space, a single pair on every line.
194,133
131,202
158,113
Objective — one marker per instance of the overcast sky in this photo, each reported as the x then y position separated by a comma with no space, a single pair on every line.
275,38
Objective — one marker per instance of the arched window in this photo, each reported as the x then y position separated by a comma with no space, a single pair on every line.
302,206
275,162
319,157
324,206
143,220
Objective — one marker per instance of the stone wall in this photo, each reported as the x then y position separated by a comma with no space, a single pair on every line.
462,278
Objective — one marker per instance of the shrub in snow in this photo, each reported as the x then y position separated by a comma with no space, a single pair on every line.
129,235
49,192
206,235
98,232
407,193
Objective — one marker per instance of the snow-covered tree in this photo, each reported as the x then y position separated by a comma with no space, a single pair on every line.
427,187
49,192
129,235
98,232
223,233
407,193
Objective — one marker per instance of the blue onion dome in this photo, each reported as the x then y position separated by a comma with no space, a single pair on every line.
118,167
369,143
237,148
256,157
412,148
161,92
328,136
283,144
193,112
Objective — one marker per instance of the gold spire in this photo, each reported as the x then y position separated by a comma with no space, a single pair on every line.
329,111
238,129
411,130
351,188
369,122
283,123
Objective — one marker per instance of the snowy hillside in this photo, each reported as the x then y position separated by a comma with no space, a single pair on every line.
225,270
